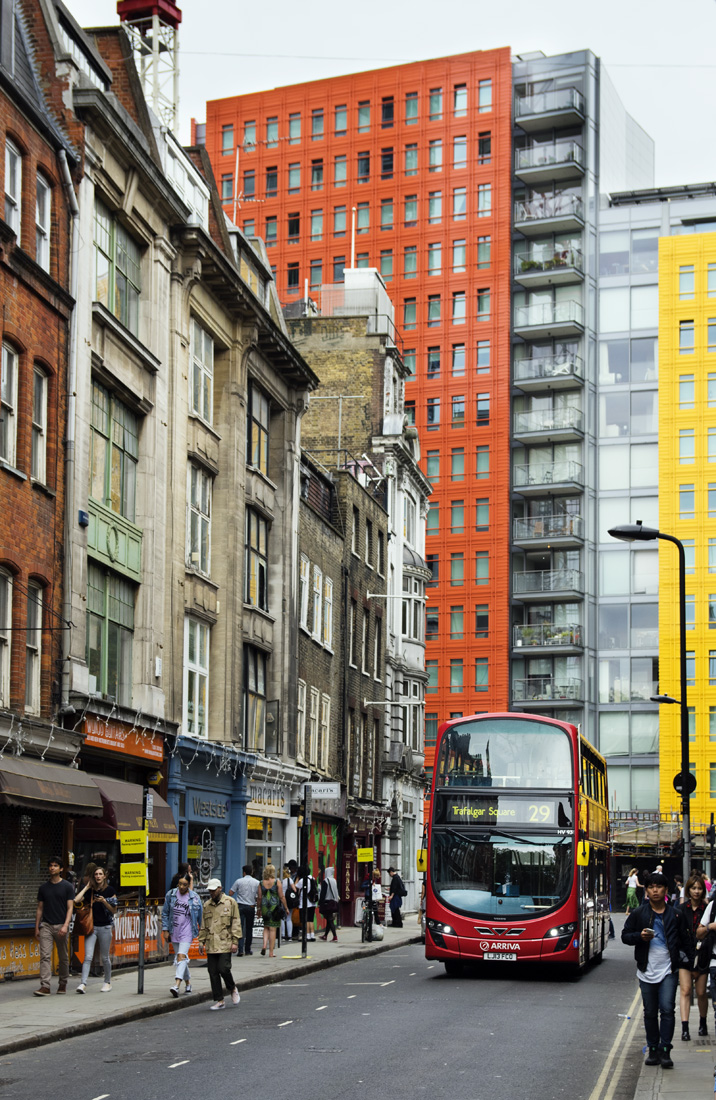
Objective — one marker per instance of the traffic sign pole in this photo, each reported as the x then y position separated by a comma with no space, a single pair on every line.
147,812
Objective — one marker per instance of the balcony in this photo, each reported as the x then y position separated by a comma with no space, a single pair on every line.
549,372
548,584
541,689
555,478
549,426
549,214
544,266
563,160
550,110
549,319
559,531
548,636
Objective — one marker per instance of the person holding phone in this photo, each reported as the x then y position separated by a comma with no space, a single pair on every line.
660,938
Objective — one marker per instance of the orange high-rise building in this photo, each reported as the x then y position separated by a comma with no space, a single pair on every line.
419,157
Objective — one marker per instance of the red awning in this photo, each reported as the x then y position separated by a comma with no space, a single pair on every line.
58,788
123,809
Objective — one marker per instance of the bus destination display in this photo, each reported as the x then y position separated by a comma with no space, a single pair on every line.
495,809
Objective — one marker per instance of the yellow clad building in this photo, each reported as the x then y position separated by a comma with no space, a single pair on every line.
687,508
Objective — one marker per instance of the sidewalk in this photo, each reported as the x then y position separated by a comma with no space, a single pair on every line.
693,1072
27,1021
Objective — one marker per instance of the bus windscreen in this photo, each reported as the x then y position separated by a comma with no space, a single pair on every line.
504,752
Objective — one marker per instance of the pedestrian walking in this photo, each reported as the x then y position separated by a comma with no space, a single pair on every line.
245,891
219,936
328,903
273,907
396,893
658,934
183,871
291,895
706,936
55,900
632,898
181,920
311,900
103,903
693,907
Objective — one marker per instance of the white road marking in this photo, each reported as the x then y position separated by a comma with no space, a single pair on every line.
368,1014
391,982
351,996
412,974
102,1097
432,968
364,983
285,1023
321,1007
174,1065
236,1042
618,1044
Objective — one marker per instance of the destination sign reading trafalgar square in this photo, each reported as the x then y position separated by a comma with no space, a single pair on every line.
494,809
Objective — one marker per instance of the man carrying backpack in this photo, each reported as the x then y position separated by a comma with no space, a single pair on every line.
311,900
396,894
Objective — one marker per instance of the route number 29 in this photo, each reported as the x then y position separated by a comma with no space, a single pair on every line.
541,813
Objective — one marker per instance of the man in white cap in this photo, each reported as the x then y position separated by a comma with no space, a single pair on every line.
219,935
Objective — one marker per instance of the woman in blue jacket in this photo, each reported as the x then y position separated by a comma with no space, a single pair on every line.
181,918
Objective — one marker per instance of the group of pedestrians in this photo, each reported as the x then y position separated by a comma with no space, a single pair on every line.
674,941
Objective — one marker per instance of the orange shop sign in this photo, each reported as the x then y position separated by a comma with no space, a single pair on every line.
121,737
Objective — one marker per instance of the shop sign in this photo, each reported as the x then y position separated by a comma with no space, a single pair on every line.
206,807
325,790
125,933
269,801
364,855
121,737
19,956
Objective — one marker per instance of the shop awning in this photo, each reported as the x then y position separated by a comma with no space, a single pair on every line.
58,788
123,809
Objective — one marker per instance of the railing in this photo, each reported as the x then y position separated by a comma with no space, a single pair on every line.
625,691
542,156
545,258
565,365
380,324
549,527
563,99
549,313
549,473
548,634
548,580
537,688
549,206
549,420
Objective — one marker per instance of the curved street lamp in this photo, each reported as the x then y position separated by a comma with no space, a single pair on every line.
636,532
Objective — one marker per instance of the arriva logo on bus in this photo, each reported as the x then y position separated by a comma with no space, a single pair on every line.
503,946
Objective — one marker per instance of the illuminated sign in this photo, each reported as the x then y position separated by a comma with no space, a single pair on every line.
494,809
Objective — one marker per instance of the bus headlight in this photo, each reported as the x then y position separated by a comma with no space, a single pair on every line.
443,929
561,935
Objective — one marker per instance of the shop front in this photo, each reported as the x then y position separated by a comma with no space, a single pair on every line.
268,815
325,840
363,829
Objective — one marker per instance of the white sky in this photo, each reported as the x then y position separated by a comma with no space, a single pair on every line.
659,54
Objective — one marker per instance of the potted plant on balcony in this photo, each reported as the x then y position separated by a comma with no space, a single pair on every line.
529,635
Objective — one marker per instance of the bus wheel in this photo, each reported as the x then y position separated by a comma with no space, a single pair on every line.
598,958
453,968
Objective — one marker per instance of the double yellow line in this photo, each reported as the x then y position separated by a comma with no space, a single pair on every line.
621,1046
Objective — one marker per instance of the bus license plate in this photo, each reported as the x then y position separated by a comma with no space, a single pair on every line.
500,956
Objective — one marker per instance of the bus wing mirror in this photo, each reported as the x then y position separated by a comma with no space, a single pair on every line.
583,853
422,860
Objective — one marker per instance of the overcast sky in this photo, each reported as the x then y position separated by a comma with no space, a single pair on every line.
660,54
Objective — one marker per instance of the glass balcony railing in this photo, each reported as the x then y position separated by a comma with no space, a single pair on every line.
546,367
549,313
542,259
549,420
548,634
548,473
549,527
547,580
549,206
546,103
535,689
542,156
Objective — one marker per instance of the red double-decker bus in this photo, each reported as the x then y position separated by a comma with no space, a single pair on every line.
517,856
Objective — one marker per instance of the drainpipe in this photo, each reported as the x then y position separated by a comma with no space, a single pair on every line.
65,707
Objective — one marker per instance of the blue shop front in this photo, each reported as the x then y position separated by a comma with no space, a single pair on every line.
208,792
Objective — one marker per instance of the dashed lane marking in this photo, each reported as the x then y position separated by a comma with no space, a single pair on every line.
351,996
175,1065
236,1042
102,1097
285,1023
321,1007
391,982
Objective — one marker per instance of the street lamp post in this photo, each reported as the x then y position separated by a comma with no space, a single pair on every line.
636,532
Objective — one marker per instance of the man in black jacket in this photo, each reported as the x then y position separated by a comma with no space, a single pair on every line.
395,897
660,939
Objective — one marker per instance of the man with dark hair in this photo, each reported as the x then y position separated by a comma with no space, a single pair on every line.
244,891
55,900
396,893
660,938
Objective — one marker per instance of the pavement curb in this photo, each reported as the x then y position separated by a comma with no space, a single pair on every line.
160,1008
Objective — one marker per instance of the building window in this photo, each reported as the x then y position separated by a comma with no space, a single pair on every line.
459,100
484,148
482,466
114,453
43,207
381,554
483,356
483,408
686,391
712,668
456,675
369,543
433,564
458,307
411,108
301,721
431,729
431,667
202,379
433,413
13,188
459,204
482,620
256,561
458,360
196,677
227,140
483,251
386,264
711,335
340,120
198,519
339,221
327,613
411,210
364,644
484,200
686,447
457,517
409,519
459,151
33,648
249,189
249,136
317,125
410,413
481,674
691,612
409,313
686,337
432,467
271,227
387,112
316,225
482,514
410,262
711,281
483,304
249,227
433,362
436,103
340,171
386,213
363,217
435,155
316,175
411,160
5,637
254,699
711,500
110,631
457,623
317,604
434,258
258,415
458,410
432,624
117,275
8,404
690,668
355,531
432,525
482,567
363,167
364,116
686,282
292,277
294,178
484,96
316,274
386,164
339,263
435,207
434,310
458,256
272,132
324,733
352,627
457,464
303,592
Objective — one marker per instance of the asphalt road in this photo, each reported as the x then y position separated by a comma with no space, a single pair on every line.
392,1023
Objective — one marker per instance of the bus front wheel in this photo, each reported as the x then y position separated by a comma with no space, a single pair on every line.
453,968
